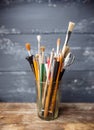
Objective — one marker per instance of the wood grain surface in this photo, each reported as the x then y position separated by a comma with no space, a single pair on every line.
23,116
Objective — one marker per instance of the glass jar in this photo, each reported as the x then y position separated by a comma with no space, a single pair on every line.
47,100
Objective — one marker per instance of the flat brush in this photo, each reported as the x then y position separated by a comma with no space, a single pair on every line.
69,31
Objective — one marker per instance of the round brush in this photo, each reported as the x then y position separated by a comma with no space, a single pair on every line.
28,48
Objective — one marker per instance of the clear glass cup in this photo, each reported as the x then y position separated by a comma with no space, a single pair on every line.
47,100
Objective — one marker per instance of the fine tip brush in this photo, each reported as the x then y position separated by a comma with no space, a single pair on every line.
30,57
28,48
69,31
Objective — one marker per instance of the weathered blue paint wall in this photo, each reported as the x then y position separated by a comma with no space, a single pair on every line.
20,23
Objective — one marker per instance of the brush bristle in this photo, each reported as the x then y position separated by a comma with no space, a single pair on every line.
28,47
38,37
58,41
42,48
71,26
53,50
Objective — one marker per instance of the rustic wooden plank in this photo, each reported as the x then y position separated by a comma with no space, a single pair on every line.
49,40
50,18
71,126
73,116
13,52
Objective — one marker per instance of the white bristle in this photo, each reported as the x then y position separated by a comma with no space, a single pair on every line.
53,50
71,26
38,37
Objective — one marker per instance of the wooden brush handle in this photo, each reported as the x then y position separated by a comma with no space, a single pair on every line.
53,101
67,50
48,99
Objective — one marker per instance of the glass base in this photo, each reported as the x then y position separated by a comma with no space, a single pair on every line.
49,117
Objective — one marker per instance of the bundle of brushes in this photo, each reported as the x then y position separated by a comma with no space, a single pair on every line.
49,70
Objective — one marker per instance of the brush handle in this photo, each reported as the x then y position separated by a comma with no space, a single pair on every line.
61,74
30,60
47,100
42,78
53,101
46,84
69,31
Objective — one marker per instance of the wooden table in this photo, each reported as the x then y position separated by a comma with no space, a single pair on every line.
23,116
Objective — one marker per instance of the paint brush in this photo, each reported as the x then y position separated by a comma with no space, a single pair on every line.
36,73
53,101
28,48
69,60
51,86
49,90
42,70
58,45
66,61
30,57
38,39
46,84
42,48
69,31
67,50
